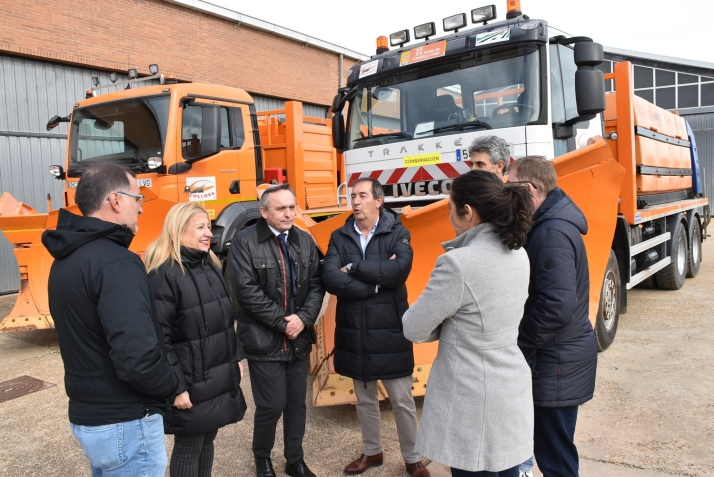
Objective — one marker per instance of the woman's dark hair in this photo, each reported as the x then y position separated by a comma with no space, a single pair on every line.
508,208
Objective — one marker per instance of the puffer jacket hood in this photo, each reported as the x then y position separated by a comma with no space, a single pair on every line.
559,206
73,231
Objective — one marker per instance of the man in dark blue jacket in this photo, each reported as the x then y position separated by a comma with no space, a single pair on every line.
367,264
117,377
555,335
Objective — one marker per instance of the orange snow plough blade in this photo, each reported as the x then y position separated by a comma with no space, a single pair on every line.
590,176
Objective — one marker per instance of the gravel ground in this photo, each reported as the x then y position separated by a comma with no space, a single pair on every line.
653,411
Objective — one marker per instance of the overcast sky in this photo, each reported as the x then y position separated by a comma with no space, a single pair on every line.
679,28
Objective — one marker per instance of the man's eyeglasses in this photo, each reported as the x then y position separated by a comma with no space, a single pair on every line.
521,182
139,197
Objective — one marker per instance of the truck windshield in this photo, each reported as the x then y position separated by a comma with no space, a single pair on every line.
126,132
493,90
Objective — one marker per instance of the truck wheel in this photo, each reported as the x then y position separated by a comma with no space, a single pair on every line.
695,249
608,313
672,276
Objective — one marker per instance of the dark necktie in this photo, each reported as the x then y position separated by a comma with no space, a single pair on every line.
290,269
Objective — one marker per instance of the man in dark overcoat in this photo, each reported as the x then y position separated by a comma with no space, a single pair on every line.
367,264
555,334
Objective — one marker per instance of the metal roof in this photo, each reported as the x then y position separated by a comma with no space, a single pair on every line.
661,58
240,18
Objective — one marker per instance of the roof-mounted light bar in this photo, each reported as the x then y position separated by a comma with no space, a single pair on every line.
455,22
133,78
399,38
483,14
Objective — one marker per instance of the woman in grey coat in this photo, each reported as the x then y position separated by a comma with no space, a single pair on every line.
478,409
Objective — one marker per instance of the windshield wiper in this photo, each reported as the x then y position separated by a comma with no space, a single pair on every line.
395,134
460,127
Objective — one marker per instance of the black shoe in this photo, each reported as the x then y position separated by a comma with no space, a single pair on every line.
264,467
298,469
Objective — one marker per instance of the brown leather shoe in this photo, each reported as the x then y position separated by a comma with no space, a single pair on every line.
417,469
364,462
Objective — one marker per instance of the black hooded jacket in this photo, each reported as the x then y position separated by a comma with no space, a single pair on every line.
196,314
369,338
115,365
555,335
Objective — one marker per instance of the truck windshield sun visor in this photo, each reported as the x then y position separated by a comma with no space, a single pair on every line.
126,132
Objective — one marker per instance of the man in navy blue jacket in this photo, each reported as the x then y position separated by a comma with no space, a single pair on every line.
555,335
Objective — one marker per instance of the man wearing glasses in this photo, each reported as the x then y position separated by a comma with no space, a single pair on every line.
555,334
117,378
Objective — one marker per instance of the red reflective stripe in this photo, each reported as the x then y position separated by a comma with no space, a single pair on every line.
396,175
449,170
353,178
375,174
422,175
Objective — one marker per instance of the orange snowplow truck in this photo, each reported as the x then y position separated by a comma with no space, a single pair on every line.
408,115
186,143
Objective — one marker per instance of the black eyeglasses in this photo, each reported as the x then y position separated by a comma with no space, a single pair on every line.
521,182
139,197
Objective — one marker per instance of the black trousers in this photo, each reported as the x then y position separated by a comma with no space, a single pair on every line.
279,387
553,436
512,472
192,455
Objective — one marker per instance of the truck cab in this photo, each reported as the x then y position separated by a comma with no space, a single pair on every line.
412,112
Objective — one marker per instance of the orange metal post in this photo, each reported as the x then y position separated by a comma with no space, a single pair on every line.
626,138
294,137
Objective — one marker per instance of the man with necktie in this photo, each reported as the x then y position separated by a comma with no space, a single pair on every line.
275,276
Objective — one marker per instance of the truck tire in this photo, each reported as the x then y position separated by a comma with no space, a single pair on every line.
695,249
608,313
672,276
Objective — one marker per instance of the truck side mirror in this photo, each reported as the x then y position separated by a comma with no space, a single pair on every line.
210,129
55,120
589,82
338,131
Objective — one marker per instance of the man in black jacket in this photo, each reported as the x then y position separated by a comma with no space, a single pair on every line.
555,335
274,271
367,264
117,378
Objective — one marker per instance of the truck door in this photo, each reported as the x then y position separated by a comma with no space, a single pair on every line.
213,140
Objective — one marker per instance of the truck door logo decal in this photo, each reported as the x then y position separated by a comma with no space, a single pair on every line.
493,37
201,188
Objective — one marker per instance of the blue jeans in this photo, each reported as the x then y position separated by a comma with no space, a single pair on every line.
553,436
527,466
126,449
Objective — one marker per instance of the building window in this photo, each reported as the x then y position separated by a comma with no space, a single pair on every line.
606,67
643,77
671,90
708,94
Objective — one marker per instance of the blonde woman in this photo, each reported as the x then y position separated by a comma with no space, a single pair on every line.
196,315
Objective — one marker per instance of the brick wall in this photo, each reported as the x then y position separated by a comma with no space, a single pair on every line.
121,34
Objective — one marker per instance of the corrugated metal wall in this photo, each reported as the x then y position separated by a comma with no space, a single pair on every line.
265,103
703,126
31,93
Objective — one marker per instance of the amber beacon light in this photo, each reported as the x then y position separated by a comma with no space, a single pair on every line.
382,45
513,8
